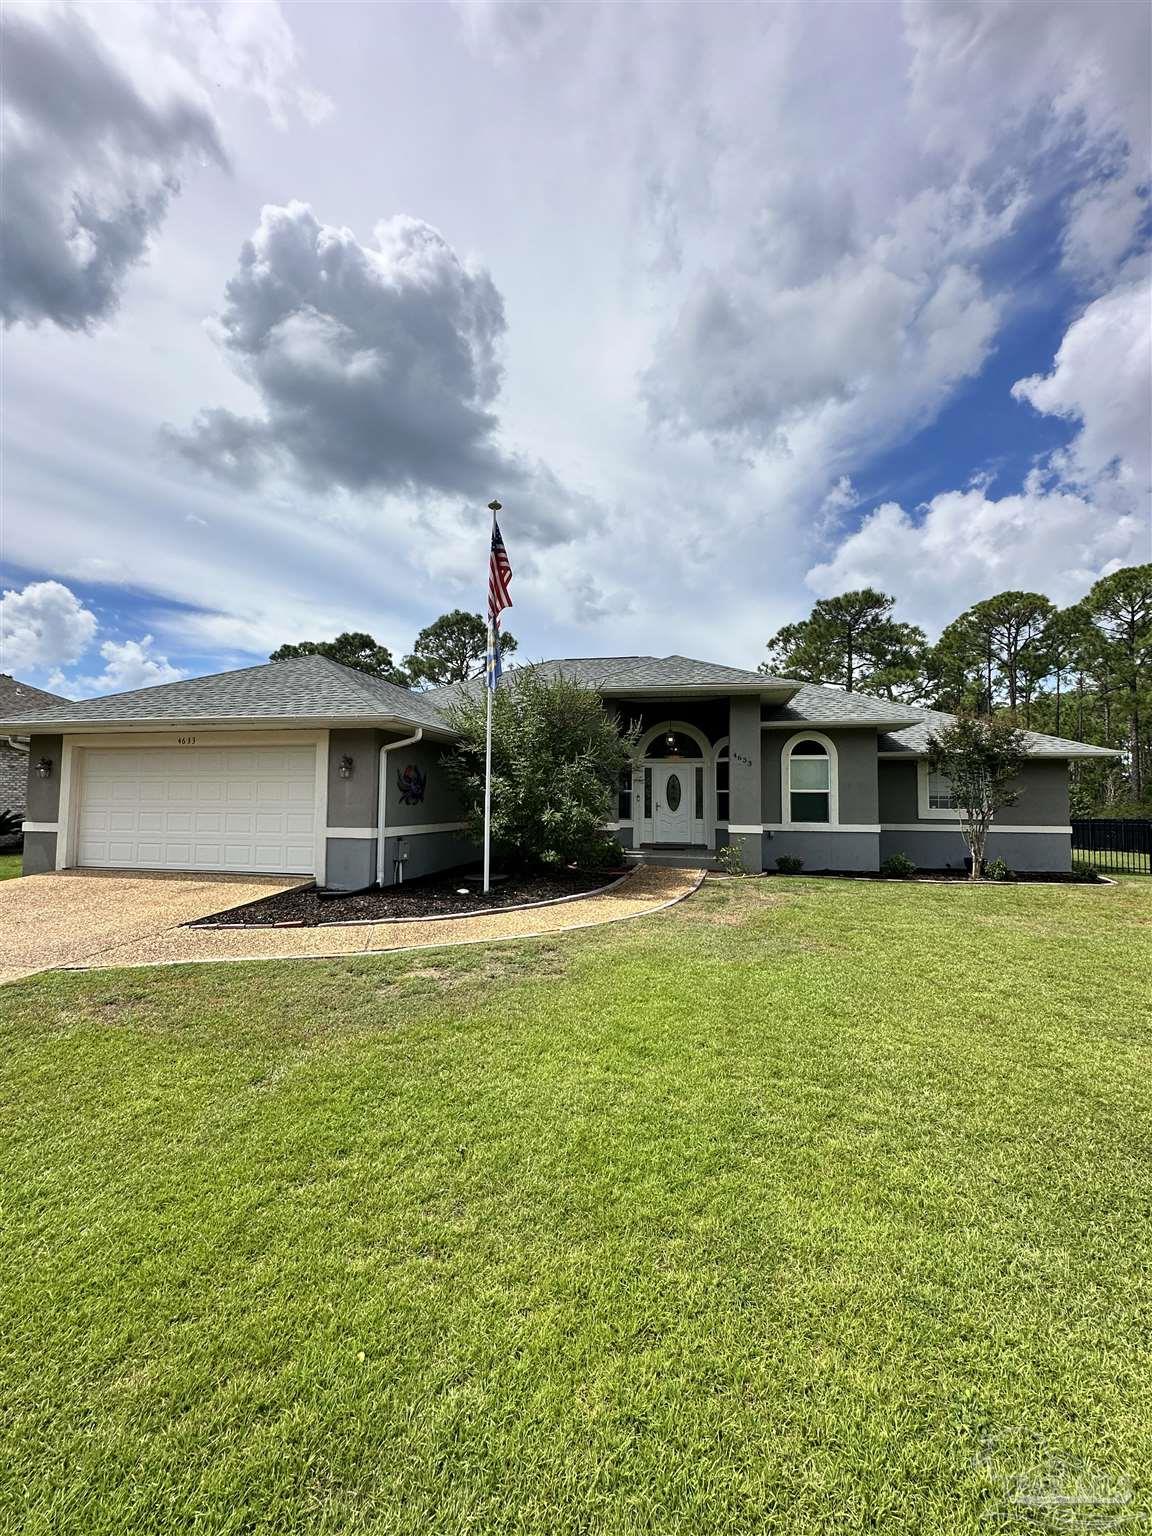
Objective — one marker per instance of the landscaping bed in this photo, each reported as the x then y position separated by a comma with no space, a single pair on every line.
1023,877
454,894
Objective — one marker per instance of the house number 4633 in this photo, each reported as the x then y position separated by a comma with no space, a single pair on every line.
740,757
185,741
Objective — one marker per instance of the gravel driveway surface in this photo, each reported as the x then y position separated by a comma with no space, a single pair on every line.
648,890
70,917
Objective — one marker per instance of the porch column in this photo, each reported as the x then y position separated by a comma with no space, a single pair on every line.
745,812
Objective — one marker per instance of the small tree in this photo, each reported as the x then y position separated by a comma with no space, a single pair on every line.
981,756
557,757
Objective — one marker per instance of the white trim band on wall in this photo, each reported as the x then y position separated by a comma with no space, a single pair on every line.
428,826
808,827
732,827
40,826
996,827
351,832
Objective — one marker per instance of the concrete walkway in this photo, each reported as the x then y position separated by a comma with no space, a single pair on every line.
70,917
647,890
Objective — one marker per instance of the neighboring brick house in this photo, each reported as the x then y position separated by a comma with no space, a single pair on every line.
17,698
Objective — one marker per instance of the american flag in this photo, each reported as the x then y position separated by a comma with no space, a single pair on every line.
499,575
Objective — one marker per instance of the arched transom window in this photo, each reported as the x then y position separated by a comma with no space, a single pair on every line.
809,781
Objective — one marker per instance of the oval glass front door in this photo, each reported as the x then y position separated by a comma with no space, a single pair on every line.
672,792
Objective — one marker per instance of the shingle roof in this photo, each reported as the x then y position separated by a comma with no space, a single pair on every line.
815,702
915,739
300,688
314,687
18,698
622,675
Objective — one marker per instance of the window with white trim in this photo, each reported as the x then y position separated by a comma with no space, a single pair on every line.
722,783
940,794
809,782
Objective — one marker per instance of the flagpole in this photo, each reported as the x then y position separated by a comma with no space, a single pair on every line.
488,690
491,676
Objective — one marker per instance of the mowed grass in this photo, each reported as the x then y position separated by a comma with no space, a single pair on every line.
10,865
805,1206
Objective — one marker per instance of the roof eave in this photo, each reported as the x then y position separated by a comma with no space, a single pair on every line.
296,722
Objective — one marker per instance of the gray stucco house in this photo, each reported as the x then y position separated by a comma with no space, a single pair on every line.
309,767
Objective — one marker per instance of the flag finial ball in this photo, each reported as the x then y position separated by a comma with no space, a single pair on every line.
494,506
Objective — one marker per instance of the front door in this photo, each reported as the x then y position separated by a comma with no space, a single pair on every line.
672,822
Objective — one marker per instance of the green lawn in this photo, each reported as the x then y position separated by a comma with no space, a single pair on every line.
807,1206
10,865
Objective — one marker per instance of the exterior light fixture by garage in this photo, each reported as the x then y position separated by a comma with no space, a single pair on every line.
44,768
346,766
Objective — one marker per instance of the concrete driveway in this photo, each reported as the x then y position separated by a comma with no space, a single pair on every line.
72,917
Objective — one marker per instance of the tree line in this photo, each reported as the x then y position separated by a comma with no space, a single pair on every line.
449,650
1083,671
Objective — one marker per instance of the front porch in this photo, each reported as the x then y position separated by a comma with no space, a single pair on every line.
695,784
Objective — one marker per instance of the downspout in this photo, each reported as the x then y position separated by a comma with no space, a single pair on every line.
381,809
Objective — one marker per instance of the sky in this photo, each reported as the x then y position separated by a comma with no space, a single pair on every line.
731,306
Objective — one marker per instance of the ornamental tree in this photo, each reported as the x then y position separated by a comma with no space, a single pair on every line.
557,757
981,756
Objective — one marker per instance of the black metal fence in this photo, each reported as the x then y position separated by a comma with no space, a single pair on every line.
1119,847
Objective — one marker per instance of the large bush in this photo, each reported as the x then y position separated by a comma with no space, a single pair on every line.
557,757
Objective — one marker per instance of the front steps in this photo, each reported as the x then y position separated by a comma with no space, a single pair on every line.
673,858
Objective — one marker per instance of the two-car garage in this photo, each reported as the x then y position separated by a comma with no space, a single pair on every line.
240,808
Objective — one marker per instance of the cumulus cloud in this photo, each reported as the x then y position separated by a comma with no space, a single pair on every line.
1102,379
43,625
966,545
103,113
377,366
1049,79
1084,510
883,329
128,664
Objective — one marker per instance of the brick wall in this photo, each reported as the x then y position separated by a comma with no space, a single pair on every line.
13,786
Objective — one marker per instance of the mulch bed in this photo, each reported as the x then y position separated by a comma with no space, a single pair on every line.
1025,877
433,896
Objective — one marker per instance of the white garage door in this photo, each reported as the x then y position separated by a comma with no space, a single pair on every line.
241,808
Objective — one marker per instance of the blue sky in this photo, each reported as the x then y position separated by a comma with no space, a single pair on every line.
732,307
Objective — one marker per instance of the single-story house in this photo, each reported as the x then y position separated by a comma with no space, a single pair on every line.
17,698
309,767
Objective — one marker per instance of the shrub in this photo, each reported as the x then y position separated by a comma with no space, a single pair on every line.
604,853
1084,867
557,756
898,867
998,870
731,859
789,864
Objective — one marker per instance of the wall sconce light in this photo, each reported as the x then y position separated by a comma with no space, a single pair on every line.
44,768
346,766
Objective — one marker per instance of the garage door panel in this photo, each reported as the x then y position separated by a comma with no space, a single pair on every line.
240,808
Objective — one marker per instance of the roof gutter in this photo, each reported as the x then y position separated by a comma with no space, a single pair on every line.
382,799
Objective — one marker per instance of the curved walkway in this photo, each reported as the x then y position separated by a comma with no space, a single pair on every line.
648,890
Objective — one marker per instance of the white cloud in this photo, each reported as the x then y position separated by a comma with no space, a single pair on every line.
43,625
105,108
1083,511
1102,378
129,664
967,545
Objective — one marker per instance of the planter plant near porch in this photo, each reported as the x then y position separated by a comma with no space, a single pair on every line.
557,757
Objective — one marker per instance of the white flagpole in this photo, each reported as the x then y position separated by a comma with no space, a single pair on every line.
488,765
